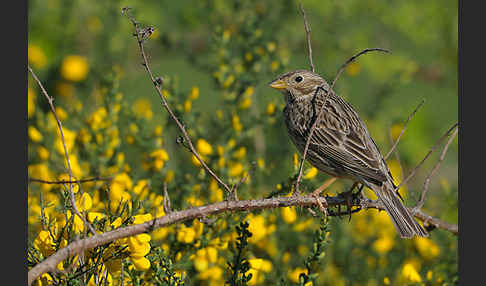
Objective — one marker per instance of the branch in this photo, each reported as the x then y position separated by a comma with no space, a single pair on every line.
420,204
142,35
427,156
71,192
403,129
307,33
353,58
49,264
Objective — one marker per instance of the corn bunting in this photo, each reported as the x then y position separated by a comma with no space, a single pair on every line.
341,145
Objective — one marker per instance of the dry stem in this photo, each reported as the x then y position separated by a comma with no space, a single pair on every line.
71,192
141,35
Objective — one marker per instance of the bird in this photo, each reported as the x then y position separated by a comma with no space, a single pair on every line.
341,145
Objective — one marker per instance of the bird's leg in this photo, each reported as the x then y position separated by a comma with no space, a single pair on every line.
348,196
319,190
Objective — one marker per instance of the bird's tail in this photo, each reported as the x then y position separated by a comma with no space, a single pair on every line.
405,224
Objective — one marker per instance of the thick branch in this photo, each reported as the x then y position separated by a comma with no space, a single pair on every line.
49,264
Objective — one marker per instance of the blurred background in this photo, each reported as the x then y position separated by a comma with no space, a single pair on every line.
216,59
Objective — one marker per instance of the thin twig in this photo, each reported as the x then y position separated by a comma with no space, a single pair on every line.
70,182
53,109
311,131
403,129
351,59
141,35
427,156
307,33
420,204
49,264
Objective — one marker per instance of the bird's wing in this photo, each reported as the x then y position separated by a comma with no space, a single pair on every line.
342,138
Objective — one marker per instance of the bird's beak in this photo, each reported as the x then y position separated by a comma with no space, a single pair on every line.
278,84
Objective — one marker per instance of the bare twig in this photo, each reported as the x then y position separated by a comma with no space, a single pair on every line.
427,156
420,203
49,264
307,33
311,131
71,192
403,129
351,59
141,35
70,182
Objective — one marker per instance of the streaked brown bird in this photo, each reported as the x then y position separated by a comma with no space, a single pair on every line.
341,145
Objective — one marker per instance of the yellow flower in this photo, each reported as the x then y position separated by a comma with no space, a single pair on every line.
235,169
74,68
194,93
45,243
69,137
97,119
31,96
396,130
270,109
294,274
275,65
353,68
271,46
84,202
204,147
386,281
295,160
311,173
383,244
158,130
240,153
34,134
236,123
36,56
426,247
141,263
229,81
187,105
92,216
259,228
245,103
169,177
138,219
160,156
142,108
186,234
289,215
257,268
43,153
410,273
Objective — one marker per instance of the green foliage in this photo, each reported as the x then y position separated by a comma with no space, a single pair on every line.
216,58
240,264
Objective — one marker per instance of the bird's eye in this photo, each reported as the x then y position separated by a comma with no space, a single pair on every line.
299,79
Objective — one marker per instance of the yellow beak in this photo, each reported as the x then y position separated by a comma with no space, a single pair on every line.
279,84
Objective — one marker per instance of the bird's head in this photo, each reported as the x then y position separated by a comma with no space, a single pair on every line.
298,84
